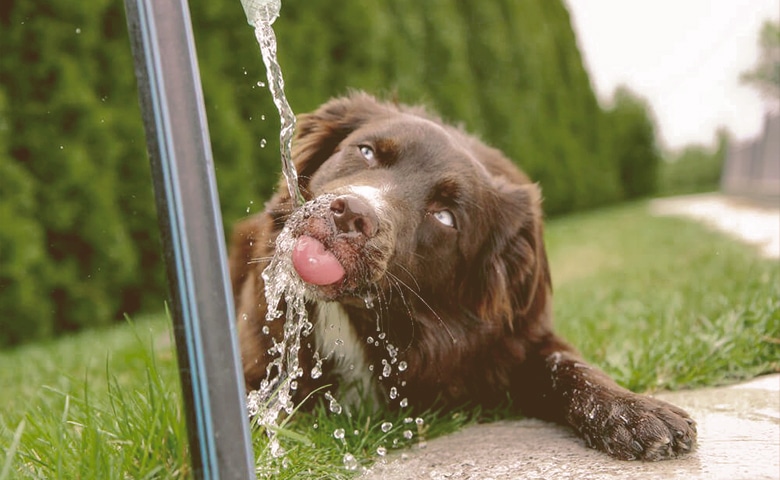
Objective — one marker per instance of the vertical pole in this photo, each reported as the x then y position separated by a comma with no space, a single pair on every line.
188,211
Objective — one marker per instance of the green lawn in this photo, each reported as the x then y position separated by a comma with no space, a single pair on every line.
656,302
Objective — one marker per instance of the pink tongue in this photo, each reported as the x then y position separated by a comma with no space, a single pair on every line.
314,264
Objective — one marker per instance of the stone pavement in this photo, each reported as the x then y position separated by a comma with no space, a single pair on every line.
739,438
739,426
755,223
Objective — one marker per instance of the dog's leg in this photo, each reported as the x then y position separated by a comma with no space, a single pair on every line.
610,418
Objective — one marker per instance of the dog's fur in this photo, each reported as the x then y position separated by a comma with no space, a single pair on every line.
443,235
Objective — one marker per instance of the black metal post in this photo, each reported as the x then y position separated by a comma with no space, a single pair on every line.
190,221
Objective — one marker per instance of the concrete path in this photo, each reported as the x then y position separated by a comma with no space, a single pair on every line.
739,438
752,222
739,426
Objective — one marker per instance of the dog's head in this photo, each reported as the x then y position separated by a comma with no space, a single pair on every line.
398,201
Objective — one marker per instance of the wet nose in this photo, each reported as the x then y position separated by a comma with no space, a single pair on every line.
353,215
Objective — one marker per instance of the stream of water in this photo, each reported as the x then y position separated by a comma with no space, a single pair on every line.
281,282
261,15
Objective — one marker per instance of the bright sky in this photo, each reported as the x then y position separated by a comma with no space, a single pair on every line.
683,56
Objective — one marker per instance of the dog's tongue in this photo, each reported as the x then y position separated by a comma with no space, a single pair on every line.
314,264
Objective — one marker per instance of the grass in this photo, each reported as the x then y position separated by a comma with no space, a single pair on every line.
659,303
98,405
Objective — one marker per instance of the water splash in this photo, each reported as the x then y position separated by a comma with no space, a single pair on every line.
283,288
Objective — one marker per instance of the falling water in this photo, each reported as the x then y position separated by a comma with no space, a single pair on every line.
261,14
282,283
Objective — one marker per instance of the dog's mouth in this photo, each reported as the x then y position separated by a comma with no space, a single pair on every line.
341,246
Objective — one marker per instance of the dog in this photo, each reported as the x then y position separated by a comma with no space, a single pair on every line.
427,280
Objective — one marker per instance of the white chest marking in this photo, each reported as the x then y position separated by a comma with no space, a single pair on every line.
338,341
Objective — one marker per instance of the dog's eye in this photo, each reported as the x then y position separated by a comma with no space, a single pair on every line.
445,217
368,153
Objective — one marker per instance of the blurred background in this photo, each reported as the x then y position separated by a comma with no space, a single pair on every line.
600,101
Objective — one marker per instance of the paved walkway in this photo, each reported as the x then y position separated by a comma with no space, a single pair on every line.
755,223
739,439
739,426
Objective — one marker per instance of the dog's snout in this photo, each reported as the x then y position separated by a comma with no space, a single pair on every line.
352,214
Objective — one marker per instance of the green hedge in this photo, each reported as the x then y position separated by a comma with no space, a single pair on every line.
694,169
634,149
78,242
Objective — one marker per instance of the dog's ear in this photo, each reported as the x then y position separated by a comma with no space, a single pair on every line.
513,272
319,133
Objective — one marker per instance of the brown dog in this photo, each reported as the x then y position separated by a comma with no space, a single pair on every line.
428,280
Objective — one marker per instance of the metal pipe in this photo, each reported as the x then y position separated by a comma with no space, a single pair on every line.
188,211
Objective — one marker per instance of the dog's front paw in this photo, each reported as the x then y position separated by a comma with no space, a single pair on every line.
634,427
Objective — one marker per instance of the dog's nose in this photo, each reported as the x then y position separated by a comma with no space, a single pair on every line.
352,214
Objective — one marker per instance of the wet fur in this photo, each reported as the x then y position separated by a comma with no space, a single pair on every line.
469,309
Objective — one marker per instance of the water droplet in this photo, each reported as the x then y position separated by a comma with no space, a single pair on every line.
387,369
404,402
382,335
263,143
78,31
402,366
369,302
262,117
293,385
393,393
315,426
350,462
316,371
333,405
381,451
261,84
408,434
370,340
386,426
408,420
419,421
356,432
338,434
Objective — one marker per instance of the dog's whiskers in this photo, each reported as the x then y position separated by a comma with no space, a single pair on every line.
259,260
396,285
410,276
424,302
